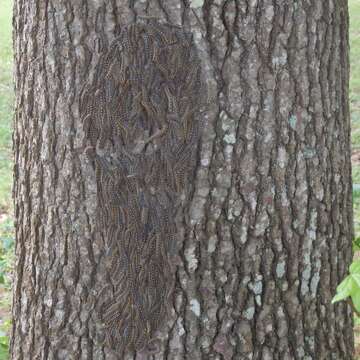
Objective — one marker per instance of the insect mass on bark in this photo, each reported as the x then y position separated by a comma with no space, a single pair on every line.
141,118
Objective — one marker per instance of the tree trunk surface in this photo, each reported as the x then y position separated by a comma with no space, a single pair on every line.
268,232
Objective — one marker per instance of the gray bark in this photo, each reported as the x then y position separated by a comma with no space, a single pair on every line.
267,237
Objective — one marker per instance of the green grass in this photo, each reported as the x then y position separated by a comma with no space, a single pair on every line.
6,223
6,101
354,8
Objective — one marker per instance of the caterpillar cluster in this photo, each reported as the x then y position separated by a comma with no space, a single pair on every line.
143,103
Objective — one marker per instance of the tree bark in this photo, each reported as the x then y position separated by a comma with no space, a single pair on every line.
268,234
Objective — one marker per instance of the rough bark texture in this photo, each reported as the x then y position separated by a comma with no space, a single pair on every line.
268,233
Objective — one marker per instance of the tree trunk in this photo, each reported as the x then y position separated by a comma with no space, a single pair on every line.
267,235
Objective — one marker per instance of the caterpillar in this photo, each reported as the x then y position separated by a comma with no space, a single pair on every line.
143,107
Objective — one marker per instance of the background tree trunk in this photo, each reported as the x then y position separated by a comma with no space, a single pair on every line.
268,234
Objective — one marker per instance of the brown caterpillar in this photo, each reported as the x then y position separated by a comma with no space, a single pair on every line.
144,105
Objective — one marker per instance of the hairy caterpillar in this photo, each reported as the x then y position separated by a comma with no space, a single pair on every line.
144,104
